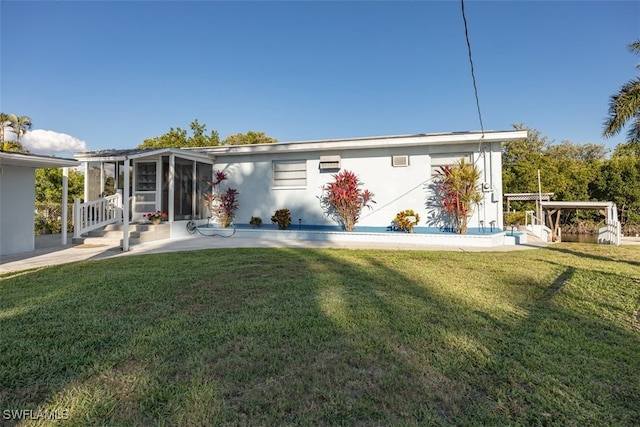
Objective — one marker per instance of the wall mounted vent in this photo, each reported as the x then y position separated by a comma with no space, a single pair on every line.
329,163
399,161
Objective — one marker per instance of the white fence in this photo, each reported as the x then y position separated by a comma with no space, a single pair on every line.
95,214
610,234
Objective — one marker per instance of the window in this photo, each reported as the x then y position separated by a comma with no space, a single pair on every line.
449,159
290,173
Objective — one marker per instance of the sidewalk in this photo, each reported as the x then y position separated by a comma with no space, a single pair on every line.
50,251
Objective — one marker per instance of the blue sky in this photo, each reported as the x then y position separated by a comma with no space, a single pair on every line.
113,73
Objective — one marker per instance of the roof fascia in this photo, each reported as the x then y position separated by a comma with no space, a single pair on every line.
186,154
35,161
360,143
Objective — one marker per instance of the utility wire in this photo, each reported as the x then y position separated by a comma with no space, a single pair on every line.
473,74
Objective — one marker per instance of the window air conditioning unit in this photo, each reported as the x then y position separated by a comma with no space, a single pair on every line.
329,163
399,161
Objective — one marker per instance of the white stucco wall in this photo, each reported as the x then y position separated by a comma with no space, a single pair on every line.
17,194
395,188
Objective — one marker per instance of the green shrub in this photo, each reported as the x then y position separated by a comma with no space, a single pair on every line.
255,221
515,218
282,217
406,220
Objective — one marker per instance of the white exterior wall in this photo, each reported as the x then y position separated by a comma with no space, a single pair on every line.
395,188
17,190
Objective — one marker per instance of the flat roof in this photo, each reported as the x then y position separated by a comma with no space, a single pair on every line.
136,153
423,139
28,160
433,139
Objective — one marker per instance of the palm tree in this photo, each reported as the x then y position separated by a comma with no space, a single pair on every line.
4,123
16,124
13,146
19,124
624,107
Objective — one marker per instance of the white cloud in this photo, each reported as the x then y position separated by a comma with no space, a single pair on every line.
48,142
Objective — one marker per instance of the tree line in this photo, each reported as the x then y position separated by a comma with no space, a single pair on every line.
179,138
574,172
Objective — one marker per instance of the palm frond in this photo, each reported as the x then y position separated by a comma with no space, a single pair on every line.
623,107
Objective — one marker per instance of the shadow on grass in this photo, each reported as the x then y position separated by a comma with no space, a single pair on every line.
596,252
277,336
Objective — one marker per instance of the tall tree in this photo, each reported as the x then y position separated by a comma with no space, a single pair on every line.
571,168
178,138
4,124
619,182
521,160
250,137
624,106
49,185
19,125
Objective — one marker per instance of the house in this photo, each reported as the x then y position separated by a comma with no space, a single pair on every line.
17,198
398,169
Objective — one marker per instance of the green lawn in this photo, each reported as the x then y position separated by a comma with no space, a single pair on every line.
327,337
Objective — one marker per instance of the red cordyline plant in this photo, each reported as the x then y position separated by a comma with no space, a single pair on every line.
223,205
457,187
343,199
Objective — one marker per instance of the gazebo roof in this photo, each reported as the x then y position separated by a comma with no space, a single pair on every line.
528,196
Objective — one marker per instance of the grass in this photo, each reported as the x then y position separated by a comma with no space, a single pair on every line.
326,337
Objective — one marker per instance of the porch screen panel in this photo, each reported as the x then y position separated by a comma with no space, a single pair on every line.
203,176
183,189
291,173
93,180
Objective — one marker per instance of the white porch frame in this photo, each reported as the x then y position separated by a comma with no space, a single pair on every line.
128,158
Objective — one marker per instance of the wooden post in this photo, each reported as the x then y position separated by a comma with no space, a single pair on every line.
554,224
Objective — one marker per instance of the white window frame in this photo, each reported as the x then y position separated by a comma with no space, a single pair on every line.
289,174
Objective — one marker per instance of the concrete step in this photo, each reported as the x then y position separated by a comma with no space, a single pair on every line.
111,235
97,241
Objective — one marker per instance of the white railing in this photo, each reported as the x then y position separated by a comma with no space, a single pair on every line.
610,234
536,226
95,214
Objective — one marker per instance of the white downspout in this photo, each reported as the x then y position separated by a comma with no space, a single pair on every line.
65,202
125,207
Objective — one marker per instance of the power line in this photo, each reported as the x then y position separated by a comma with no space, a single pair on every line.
473,74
